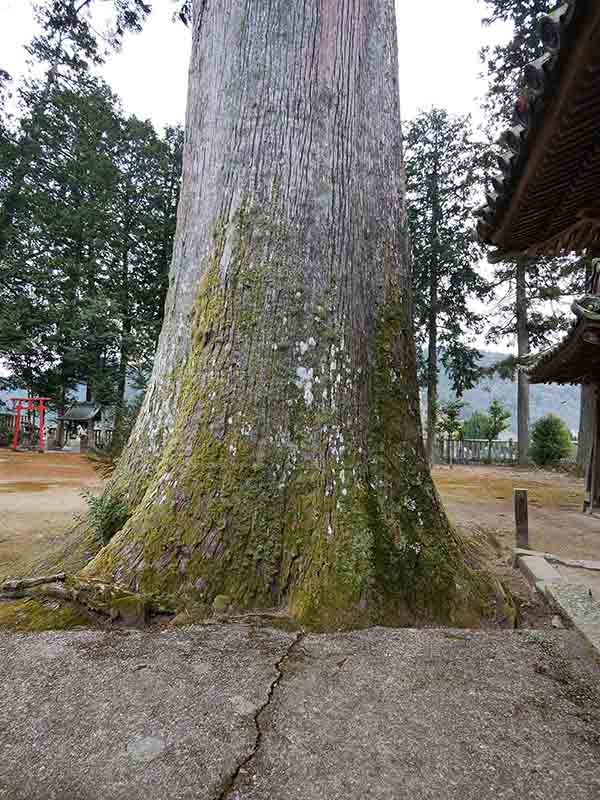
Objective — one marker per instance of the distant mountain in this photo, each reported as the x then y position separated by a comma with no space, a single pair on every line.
544,398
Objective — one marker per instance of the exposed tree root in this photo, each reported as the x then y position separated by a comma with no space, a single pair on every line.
101,598
18,584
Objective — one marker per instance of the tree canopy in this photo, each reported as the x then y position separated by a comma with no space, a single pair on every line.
88,199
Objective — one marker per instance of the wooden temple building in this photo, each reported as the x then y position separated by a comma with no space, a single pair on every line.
546,198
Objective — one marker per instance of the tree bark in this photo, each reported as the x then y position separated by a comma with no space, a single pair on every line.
522,351
278,458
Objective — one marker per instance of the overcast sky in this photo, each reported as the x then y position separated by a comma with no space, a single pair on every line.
439,42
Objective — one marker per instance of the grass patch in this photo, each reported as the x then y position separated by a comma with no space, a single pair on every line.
106,515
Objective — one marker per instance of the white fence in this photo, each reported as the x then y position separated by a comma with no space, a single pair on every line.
475,451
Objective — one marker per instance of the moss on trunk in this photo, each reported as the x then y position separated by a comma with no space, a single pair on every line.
278,460
334,516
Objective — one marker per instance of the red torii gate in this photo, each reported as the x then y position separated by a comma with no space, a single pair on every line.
29,404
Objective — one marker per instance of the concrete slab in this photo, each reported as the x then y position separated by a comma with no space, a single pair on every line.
219,712
574,592
130,716
584,564
537,570
584,577
578,603
417,715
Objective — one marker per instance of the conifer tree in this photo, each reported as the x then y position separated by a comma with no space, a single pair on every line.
443,181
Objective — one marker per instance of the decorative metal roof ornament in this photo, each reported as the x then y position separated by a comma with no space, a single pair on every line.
513,139
536,73
551,26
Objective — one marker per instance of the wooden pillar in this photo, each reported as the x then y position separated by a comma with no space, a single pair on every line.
592,481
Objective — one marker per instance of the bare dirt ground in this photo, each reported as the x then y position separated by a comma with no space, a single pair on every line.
479,500
40,494
482,497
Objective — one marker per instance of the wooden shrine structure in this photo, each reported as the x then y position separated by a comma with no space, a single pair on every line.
546,195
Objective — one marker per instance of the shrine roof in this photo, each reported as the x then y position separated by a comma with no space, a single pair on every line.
546,197
80,412
576,358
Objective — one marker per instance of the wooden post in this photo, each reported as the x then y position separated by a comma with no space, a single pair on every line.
521,518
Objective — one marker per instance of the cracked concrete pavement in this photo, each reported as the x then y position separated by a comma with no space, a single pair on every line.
233,711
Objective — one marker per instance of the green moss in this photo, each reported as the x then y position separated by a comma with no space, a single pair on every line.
333,516
75,549
130,609
221,603
32,615
507,610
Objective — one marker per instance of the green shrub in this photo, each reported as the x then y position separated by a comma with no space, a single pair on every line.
550,440
476,425
106,515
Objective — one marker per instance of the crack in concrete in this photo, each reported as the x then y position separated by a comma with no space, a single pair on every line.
230,783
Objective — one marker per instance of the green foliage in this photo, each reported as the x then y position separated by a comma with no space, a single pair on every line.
544,398
442,184
88,200
497,420
504,62
68,24
106,515
476,426
450,423
550,440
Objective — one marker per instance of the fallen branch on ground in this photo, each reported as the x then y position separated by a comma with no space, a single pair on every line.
25,583
106,599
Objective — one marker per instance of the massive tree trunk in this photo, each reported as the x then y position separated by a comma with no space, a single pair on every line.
522,350
278,458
